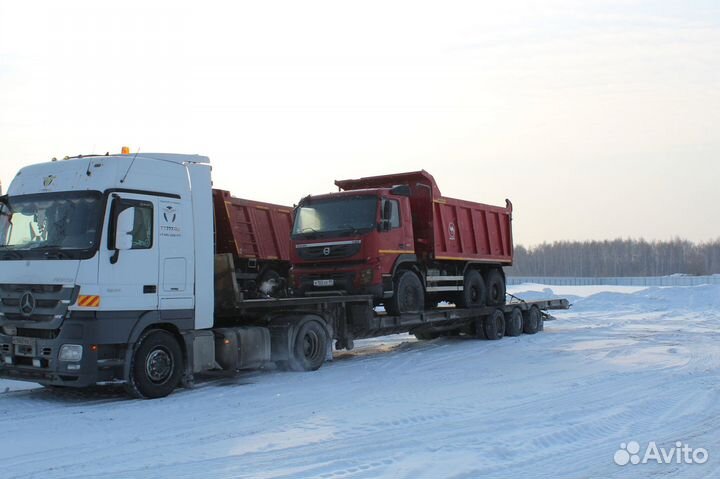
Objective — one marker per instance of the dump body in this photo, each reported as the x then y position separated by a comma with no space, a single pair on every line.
448,228
251,229
257,235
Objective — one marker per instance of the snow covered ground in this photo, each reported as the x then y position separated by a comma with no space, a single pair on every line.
624,364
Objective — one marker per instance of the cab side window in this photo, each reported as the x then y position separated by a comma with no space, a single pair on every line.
142,232
394,212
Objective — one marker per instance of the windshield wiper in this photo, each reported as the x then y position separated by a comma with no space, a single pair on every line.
51,250
349,228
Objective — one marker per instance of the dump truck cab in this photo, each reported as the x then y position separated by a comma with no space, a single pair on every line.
349,242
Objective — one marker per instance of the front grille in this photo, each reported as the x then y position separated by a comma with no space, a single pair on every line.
33,288
38,333
36,303
329,252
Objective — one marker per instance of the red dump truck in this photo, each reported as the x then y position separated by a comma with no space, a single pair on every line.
257,235
397,238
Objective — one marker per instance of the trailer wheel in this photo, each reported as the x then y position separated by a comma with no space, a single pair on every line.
514,323
531,320
156,366
495,288
494,325
409,295
309,347
474,294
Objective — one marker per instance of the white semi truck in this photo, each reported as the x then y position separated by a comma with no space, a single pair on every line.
108,275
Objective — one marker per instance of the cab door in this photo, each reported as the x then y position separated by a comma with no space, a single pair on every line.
395,237
128,277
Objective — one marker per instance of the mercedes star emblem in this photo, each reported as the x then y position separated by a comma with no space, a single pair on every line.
27,304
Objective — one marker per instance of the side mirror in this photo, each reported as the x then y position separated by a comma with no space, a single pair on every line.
123,229
122,238
387,211
383,225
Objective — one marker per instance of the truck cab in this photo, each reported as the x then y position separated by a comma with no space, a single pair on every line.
94,252
349,242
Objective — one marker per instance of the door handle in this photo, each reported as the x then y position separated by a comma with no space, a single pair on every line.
149,289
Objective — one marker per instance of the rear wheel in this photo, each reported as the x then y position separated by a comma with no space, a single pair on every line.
495,288
494,325
309,347
409,295
156,367
531,320
514,323
474,293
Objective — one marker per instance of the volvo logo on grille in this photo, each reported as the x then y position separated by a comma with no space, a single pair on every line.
326,251
27,304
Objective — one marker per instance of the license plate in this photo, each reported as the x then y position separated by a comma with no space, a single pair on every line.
323,282
23,341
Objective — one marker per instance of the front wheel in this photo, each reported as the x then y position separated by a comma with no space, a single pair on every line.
409,296
156,367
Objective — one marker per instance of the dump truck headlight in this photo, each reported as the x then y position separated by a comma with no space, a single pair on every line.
70,352
366,276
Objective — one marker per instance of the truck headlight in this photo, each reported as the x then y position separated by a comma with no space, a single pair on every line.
10,330
71,352
366,276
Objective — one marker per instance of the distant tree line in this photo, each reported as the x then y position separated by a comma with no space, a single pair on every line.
620,257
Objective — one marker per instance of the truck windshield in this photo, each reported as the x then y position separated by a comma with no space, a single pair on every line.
49,225
342,216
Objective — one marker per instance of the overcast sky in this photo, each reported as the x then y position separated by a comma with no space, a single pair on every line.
598,119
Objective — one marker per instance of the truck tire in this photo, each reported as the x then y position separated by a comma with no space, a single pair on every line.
309,347
531,320
409,295
494,325
495,288
514,323
156,367
474,294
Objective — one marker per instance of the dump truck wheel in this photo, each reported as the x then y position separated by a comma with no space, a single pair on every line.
309,347
474,294
531,320
156,366
494,325
409,295
495,288
514,323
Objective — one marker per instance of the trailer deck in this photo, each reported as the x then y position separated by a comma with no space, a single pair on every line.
355,317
